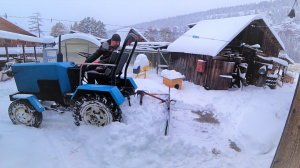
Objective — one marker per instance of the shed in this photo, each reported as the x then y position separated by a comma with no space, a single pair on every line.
221,44
76,42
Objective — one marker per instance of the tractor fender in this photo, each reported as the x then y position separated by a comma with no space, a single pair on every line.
30,99
113,91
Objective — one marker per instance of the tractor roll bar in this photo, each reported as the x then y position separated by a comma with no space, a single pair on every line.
130,56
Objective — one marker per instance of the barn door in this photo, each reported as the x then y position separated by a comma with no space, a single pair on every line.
220,75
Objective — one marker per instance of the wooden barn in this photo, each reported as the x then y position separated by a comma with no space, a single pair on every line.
219,53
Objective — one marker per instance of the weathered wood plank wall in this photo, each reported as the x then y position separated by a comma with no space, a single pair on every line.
210,78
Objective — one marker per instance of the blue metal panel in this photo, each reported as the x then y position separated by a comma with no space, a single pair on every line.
113,90
32,100
36,104
27,74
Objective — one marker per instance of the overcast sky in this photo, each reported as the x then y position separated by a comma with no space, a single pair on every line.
115,12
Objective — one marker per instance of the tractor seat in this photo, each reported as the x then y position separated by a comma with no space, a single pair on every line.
100,77
110,73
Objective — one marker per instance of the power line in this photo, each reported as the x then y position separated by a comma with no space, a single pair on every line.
54,19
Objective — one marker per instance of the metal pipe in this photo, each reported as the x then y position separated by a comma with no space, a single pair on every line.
59,54
34,49
23,47
6,51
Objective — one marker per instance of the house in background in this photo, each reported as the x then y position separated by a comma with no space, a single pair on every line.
210,53
125,31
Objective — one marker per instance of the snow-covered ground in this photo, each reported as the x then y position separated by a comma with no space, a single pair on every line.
231,129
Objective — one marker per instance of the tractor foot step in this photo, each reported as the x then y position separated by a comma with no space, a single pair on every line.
54,109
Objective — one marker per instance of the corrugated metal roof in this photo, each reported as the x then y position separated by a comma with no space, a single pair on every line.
6,25
82,36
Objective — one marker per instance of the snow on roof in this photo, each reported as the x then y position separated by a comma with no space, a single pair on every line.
20,37
171,74
48,39
274,59
286,56
209,37
82,36
124,32
151,45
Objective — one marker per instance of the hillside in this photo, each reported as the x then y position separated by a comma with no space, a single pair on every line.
274,11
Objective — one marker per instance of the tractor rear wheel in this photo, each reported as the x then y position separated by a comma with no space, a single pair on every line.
22,112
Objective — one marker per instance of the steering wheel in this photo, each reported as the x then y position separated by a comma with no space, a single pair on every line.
84,54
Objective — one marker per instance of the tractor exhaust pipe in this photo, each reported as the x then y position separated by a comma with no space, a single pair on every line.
59,54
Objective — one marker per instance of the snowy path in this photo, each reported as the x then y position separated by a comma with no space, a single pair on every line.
139,141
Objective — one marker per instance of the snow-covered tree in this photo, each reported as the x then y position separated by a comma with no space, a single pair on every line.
58,29
152,34
35,24
91,26
166,34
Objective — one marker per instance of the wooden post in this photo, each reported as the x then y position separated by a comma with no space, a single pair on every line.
169,59
34,49
162,56
6,51
24,57
288,151
157,61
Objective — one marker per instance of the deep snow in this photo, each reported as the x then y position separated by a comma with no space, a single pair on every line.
252,118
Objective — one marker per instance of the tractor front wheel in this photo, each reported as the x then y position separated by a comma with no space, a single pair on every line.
21,112
95,113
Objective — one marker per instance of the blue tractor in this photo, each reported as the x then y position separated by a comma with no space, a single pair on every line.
64,83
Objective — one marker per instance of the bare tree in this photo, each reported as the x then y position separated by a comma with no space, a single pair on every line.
35,23
58,29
